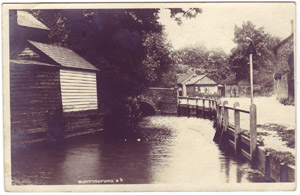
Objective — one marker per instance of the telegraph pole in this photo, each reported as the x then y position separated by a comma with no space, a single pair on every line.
251,77
250,52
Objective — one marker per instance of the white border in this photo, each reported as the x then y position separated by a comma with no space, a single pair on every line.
151,187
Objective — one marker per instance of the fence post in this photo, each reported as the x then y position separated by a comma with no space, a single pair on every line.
209,104
283,172
237,128
203,108
253,132
225,119
219,115
267,168
214,108
178,108
226,116
197,107
188,106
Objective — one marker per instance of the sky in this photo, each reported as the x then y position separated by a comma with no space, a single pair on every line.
214,28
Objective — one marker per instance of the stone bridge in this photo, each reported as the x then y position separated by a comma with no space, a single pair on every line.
159,100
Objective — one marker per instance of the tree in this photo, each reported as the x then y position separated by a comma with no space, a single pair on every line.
264,43
127,45
214,63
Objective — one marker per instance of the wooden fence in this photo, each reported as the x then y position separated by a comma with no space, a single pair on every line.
243,142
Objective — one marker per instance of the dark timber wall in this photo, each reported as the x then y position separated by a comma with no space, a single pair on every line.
36,106
34,94
82,122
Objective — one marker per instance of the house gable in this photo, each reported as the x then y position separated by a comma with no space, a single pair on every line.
201,80
205,81
29,53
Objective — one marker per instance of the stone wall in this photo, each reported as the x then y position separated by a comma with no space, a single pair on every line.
165,99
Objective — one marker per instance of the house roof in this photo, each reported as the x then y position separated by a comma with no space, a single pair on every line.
184,77
231,80
282,43
244,82
201,79
26,19
64,56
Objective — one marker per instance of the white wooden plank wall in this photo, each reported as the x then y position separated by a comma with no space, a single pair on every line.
79,90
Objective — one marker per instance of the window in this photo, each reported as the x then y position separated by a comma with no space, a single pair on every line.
196,89
78,90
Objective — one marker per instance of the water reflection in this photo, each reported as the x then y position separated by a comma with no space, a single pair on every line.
164,149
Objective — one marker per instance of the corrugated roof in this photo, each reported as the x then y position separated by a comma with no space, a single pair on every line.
64,56
26,19
182,78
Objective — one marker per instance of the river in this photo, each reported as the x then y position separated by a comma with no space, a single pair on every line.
165,149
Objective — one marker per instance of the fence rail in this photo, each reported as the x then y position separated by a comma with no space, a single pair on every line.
242,142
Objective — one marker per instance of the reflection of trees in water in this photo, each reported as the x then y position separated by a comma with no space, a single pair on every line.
91,157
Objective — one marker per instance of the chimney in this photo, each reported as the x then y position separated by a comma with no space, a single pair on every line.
292,26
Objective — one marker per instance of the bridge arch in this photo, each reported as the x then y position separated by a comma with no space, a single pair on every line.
147,107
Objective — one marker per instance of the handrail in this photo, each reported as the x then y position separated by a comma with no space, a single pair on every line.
198,98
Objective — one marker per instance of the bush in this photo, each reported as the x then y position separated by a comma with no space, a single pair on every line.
122,117
287,101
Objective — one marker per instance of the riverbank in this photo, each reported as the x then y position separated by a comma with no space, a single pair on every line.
273,156
276,123
276,126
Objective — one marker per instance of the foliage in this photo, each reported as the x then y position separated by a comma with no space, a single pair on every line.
127,45
263,43
127,116
58,34
178,13
282,157
211,62
286,101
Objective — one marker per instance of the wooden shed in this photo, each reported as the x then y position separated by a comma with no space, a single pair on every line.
201,85
53,94
181,83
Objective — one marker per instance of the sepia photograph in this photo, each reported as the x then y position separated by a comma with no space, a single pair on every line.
149,96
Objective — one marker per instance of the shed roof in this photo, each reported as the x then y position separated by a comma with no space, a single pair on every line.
26,19
201,79
193,80
184,77
64,56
